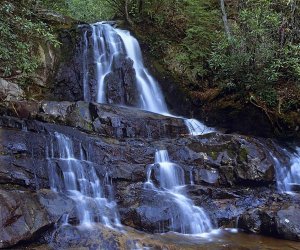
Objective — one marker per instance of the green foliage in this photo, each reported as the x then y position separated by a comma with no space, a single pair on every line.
182,31
269,96
200,33
19,31
87,10
261,52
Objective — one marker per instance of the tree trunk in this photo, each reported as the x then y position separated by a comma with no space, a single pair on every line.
225,21
140,6
127,17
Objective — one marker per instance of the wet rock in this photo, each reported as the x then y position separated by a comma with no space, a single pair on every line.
250,221
66,84
102,119
58,110
209,176
21,217
200,157
275,220
56,204
121,86
28,173
216,163
22,160
155,212
237,158
295,187
17,148
288,223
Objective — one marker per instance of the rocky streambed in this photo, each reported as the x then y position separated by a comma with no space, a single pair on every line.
232,177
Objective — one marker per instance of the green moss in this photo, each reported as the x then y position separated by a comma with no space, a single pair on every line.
89,126
18,156
213,154
243,154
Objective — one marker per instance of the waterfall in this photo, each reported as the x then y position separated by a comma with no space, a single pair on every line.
191,219
85,78
295,168
150,94
288,176
77,179
107,45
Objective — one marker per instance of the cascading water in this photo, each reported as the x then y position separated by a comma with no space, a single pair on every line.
288,177
85,78
295,168
77,178
150,94
197,128
107,44
191,219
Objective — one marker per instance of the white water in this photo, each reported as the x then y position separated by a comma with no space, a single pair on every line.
77,179
85,69
192,219
197,128
288,175
108,42
295,168
150,94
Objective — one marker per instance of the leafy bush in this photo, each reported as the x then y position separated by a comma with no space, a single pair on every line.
19,31
87,10
181,31
262,51
200,33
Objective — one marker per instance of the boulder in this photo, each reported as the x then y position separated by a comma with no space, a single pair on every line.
278,220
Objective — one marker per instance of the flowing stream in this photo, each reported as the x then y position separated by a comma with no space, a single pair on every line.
189,219
78,179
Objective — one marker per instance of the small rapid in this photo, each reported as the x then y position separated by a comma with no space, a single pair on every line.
288,174
196,127
190,219
78,179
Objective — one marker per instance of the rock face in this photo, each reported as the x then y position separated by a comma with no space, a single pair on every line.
121,86
104,120
67,83
10,91
231,174
21,217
